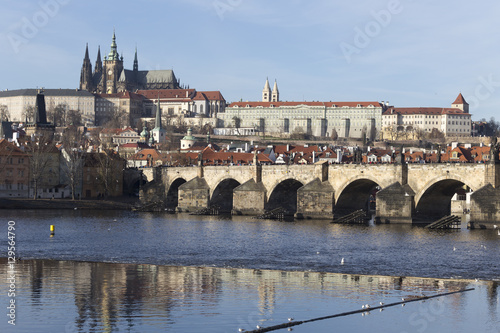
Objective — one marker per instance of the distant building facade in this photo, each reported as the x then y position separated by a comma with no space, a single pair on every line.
420,121
348,119
19,101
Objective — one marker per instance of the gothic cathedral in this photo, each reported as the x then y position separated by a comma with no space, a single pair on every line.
109,76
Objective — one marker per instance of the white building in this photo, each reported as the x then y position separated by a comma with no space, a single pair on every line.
17,102
274,117
419,121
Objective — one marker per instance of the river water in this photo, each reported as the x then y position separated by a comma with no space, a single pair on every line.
144,272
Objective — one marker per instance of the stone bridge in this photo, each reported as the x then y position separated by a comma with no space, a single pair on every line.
404,192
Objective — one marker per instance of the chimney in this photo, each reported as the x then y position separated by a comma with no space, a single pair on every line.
314,156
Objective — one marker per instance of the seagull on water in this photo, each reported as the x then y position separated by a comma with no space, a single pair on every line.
454,248
367,306
258,327
342,261
498,232
381,303
290,319
363,306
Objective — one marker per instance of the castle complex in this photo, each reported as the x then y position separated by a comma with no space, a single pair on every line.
110,77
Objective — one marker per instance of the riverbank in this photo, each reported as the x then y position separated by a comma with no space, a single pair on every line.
121,203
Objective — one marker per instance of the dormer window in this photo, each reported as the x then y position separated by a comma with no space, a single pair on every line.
358,106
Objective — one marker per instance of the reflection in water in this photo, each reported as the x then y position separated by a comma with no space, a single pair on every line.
72,296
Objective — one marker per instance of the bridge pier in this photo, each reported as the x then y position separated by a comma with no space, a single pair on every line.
193,195
485,207
315,200
249,198
395,204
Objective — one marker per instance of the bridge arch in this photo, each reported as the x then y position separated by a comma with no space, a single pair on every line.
222,194
355,194
284,194
434,200
172,199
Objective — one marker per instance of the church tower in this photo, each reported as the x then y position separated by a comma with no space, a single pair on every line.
275,97
113,65
86,73
158,134
461,104
266,92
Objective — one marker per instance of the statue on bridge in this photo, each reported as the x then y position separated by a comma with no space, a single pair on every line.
200,159
400,158
494,148
358,156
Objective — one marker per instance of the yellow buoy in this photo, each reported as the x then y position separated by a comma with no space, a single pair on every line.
52,230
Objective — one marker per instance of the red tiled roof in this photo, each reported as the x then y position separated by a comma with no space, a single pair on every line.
290,104
210,157
423,110
142,155
213,95
460,100
199,96
167,93
9,149
125,94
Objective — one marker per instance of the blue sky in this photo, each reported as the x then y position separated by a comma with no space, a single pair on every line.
407,52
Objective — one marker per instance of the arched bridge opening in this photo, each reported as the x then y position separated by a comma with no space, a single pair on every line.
435,202
284,196
222,196
360,194
173,194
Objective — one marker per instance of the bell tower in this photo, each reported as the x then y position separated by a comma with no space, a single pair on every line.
113,67
266,92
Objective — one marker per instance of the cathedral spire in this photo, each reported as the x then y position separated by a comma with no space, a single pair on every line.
275,96
98,62
86,52
113,53
86,73
136,63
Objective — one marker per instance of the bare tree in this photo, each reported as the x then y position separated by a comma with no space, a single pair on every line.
73,154
4,113
73,118
28,113
109,171
39,155
116,118
56,115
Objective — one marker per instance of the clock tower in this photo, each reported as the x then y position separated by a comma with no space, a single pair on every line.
112,68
